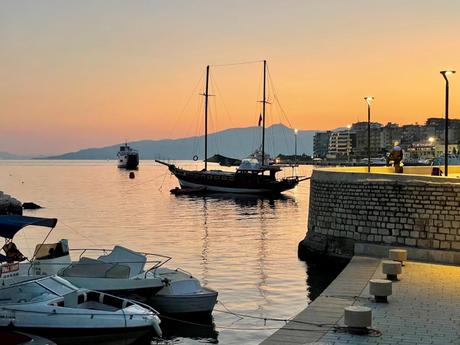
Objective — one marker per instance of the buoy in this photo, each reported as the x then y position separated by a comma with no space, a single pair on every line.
358,319
380,289
132,175
391,269
398,255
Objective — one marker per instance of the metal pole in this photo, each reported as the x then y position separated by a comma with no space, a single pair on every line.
368,137
295,150
348,145
263,114
206,120
446,130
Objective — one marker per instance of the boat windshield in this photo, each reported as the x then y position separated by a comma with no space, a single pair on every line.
26,293
56,286
34,291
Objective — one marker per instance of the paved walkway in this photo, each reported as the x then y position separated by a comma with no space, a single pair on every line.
424,308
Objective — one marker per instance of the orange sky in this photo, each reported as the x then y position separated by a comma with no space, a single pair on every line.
92,73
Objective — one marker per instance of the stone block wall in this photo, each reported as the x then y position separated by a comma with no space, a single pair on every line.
392,209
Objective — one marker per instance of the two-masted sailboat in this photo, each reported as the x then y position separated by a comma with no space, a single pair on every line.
254,175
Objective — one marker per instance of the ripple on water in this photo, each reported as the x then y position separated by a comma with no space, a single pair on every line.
244,247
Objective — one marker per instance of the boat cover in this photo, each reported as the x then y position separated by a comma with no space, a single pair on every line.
10,225
224,161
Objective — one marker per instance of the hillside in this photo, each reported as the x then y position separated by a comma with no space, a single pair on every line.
236,142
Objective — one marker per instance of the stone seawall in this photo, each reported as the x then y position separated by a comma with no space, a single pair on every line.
379,208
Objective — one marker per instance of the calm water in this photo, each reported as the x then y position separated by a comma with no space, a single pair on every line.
244,247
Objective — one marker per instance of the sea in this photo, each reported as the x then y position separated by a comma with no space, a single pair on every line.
245,247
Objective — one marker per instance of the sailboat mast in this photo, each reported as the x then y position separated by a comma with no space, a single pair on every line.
206,120
263,113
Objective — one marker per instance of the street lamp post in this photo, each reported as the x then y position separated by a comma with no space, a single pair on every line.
368,100
348,144
295,145
446,124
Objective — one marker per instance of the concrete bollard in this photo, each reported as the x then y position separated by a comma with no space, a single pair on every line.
391,269
380,289
398,255
358,319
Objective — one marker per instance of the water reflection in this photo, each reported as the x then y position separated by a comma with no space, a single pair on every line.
321,273
244,200
194,327
243,246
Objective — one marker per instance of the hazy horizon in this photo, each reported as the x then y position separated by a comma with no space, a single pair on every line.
93,73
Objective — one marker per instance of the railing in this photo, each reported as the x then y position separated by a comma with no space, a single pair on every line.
156,263
153,260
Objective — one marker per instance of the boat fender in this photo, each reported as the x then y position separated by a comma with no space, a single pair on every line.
156,326
132,175
101,298
125,304
195,158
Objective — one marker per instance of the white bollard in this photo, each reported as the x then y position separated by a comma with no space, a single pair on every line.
398,255
391,269
380,289
358,319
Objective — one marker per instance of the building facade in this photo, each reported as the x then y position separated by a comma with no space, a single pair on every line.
321,144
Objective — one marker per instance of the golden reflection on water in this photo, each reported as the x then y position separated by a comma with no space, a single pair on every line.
243,246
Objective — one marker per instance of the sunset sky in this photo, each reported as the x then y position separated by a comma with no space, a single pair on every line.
88,73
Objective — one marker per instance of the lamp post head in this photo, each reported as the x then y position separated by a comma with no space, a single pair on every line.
368,99
431,140
446,73
349,126
296,131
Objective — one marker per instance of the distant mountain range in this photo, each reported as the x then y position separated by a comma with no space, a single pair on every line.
235,142
7,155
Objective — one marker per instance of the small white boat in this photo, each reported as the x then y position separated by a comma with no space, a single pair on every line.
118,271
51,304
182,294
122,272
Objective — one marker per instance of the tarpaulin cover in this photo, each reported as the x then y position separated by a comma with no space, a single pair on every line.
10,225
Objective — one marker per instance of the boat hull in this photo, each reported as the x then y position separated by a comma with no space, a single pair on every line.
231,182
128,161
197,303
135,289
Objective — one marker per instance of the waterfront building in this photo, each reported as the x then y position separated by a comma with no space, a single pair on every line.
420,151
360,128
389,136
451,149
321,144
341,143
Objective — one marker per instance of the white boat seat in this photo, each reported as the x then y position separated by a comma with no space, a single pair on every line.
127,257
91,268
71,299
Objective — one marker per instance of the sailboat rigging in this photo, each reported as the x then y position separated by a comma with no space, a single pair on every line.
253,176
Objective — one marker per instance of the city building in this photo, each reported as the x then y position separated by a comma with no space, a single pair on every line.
419,142
321,144
341,143
360,130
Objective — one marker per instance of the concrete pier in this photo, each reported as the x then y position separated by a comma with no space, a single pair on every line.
423,308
